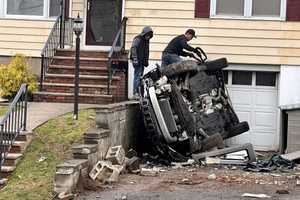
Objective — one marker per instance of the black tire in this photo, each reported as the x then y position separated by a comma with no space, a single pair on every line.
238,129
176,69
217,64
215,140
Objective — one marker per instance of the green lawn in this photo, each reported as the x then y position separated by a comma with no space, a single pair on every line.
33,180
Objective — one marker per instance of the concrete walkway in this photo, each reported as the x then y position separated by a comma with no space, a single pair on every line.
38,112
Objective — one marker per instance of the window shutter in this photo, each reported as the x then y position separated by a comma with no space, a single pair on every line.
202,8
293,10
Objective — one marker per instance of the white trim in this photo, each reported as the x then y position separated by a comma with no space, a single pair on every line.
261,68
1,8
248,12
213,8
247,8
283,10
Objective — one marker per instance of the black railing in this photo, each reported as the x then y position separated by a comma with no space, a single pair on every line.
60,35
119,39
13,122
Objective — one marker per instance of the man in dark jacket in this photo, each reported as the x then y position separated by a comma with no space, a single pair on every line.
139,55
174,50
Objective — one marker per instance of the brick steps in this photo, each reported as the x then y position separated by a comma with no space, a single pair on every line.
84,79
58,83
69,98
83,88
70,52
84,70
85,61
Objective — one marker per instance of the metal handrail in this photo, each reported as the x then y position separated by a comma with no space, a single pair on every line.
61,34
120,36
13,122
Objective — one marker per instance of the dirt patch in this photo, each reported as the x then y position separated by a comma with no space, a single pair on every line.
193,183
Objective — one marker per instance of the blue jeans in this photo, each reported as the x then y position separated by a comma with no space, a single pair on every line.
138,73
168,59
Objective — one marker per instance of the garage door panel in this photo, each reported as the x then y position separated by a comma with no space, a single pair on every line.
266,99
241,98
263,139
265,120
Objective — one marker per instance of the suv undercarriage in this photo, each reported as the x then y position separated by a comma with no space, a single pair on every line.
187,109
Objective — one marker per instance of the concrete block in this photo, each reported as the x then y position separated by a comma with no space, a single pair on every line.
96,133
116,155
66,183
105,172
84,149
70,166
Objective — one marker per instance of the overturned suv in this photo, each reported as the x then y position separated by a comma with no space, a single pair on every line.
186,108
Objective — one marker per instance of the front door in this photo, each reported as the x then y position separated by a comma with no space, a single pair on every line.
103,21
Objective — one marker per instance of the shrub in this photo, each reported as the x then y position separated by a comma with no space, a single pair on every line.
13,75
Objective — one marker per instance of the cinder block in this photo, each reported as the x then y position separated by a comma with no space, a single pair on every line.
116,155
105,172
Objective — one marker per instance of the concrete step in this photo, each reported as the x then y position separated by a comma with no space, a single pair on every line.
69,98
3,182
6,171
83,70
83,88
12,159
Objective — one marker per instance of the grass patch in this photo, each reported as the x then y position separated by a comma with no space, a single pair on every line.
33,180
3,110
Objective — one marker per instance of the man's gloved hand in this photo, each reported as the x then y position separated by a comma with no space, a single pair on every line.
135,61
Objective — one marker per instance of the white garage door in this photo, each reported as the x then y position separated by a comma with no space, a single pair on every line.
255,98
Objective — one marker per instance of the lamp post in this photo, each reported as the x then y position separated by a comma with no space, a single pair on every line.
77,28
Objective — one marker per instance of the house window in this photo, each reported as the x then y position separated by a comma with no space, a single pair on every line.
30,8
256,9
231,7
25,7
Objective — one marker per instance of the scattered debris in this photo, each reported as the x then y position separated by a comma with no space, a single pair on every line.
133,164
149,172
41,159
282,191
245,147
276,162
212,177
64,196
131,153
177,165
298,182
255,195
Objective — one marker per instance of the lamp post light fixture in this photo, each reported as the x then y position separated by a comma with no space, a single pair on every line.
77,28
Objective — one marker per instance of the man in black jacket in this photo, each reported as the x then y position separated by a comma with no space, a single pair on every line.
139,55
174,50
